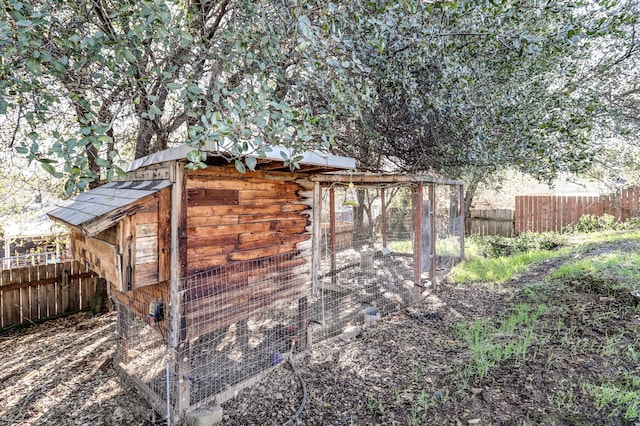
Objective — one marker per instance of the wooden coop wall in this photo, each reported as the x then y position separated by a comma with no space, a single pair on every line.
149,234
254,231
140,240
99,255
235,217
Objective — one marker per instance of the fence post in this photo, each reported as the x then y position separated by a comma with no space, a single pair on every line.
418,198
65,291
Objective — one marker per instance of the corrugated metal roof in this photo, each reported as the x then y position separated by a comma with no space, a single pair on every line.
312,158
87,207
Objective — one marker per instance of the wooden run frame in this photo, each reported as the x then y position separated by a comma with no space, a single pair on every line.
418,182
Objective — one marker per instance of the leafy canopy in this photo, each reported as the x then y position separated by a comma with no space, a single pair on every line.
84,83
461,88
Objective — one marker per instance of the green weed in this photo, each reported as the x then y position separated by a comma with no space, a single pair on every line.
606,273
401,246
501,269
619,397
491,344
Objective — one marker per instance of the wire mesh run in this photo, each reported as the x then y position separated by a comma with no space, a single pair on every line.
198,340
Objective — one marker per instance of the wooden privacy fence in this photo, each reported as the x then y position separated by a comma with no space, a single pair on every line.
490,222
545,213
41,291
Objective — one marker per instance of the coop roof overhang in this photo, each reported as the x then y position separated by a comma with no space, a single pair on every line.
101,208
273,160
382,179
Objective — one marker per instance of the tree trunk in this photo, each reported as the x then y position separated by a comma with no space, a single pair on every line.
470,192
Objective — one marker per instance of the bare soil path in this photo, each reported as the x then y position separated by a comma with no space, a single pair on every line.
407,369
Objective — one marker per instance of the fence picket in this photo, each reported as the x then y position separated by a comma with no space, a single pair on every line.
32,293
543,213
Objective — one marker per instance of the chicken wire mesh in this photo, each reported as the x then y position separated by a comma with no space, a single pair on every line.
232,323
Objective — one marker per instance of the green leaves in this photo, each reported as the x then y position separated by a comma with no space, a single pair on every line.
464,84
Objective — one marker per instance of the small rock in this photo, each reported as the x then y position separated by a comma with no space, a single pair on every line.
474,421
350,332
278,395
118,413
476,391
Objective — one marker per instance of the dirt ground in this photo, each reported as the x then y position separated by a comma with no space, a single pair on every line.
406,369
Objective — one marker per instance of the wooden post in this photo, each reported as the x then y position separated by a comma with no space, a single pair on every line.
123,333
383,217
418,198
304,337
183,358
432,235
332,233
462,219
317,236
178,260
64,288
164,235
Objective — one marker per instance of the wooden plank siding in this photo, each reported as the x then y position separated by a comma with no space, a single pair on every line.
139,299
491,222
234,217
252,233
99,255
41,291
151,242
546,213
140,240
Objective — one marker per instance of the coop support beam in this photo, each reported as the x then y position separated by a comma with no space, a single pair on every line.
383,217
177,193
461,217
183,355
304,337
332,232
316,235
178,263
123,333
433,236
418,215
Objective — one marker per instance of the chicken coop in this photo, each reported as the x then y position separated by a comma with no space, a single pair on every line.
217,276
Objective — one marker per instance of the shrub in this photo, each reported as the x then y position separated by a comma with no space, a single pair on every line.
629,224
496,246
593,223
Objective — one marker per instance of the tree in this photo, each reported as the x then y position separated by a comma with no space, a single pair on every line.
466,89
459,88
85,83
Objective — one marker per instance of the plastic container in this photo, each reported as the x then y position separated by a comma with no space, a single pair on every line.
371,315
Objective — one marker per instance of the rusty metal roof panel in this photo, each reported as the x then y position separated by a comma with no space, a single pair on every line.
87,207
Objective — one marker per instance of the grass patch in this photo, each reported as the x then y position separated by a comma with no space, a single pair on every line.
400,246
482,268
620,397
605,237
501,269
492,345
606,273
